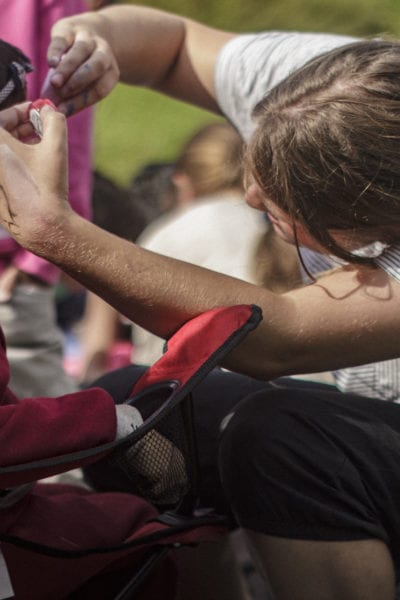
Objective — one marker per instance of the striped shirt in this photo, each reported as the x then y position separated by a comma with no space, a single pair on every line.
376,380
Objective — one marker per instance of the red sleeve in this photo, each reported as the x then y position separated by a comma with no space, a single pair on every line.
38,428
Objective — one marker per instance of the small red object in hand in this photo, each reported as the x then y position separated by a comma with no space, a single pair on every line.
34,114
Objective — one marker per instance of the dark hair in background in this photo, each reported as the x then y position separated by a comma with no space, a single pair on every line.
327,144
115,210
13,67
213,159
152,188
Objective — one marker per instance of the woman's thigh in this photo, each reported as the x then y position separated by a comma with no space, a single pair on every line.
314,464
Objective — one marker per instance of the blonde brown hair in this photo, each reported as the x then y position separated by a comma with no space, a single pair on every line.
212,159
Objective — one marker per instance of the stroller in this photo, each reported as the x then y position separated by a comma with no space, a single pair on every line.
160,460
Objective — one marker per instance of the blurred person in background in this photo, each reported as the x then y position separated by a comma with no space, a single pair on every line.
212,226
103,335
152,187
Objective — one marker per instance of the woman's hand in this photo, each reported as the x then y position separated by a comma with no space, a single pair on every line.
33,177
85,69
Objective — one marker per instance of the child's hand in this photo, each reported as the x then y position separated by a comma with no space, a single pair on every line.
85,69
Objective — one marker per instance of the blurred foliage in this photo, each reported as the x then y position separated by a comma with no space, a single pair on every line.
136,126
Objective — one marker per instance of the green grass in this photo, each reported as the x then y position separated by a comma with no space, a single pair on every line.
136,126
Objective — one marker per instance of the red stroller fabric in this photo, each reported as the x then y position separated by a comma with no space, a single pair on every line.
57,537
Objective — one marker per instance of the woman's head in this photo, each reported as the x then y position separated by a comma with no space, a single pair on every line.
326,150
13,67
212,160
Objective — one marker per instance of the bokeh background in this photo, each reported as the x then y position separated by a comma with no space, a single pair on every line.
134,126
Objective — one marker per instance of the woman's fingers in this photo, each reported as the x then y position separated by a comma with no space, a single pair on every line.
54,130
52,152
17,189
33,180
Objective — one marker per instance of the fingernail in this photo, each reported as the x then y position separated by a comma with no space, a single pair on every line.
62,108
57,80
67,109
53,61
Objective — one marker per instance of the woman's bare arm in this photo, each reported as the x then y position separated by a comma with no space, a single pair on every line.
346,318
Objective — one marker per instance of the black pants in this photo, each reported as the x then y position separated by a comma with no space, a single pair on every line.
296,459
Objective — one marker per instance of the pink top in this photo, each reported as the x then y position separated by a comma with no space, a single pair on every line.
27,25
